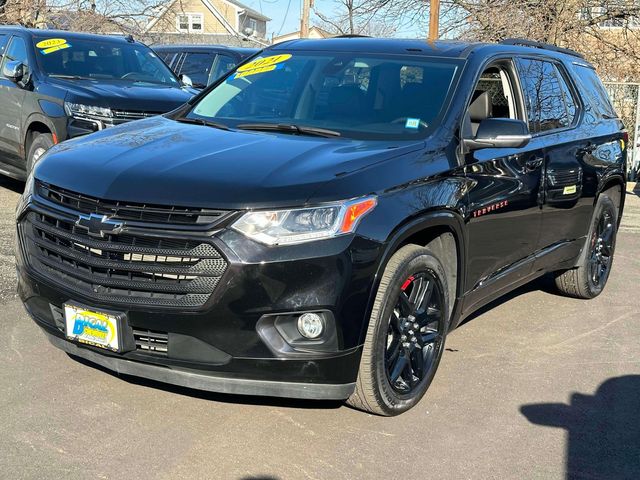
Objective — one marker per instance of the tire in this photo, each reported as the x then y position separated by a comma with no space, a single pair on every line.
412,268
40,144
584,281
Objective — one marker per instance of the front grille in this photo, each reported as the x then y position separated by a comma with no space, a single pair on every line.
149,341
127,269
121,116
128,210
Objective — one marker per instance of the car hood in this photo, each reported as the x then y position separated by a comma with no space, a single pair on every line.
162,161
122,95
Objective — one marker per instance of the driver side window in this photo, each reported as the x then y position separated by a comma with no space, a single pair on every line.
493,97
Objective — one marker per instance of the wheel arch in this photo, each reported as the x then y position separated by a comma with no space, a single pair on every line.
36,124
615,182
423,230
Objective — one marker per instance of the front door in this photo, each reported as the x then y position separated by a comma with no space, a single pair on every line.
11,100
504,196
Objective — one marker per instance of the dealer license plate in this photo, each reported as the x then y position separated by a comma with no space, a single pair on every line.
93,327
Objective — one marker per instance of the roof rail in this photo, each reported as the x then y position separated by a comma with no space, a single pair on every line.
546,46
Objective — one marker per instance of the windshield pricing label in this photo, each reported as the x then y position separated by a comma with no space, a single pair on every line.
261,65
52,45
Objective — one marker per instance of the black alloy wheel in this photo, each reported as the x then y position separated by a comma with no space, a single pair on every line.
407,329
601,249
415,332
589,277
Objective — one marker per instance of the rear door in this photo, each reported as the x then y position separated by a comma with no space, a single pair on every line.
504,197
197,66
554,110
12,97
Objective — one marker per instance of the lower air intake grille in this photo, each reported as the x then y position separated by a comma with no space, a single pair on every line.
149,341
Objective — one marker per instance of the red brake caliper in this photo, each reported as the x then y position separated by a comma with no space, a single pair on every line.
407,282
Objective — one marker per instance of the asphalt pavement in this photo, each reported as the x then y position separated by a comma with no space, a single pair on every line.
535,386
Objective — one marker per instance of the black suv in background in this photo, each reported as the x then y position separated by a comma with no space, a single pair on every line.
316,224
56,85
201,65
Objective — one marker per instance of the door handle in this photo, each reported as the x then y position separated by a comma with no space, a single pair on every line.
534,163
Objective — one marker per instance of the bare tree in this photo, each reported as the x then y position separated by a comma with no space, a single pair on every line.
96,16
357,17
607,32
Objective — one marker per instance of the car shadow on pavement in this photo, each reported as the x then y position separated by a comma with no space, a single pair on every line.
11,184
603,429
218,397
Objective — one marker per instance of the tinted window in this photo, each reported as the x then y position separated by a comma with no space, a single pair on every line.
127,62
167,57
223,64
544,91
16,51
596,94
3,42
197,67
572,107
359,95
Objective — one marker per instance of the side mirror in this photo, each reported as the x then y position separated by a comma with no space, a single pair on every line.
499,133
185,80
14,70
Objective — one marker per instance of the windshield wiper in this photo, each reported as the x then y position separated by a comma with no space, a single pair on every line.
202,121
68,77
289,128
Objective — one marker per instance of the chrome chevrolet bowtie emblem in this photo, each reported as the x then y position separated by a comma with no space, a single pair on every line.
98,225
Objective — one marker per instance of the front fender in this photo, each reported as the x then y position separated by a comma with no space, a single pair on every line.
436,221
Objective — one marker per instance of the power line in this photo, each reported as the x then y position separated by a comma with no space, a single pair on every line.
286,14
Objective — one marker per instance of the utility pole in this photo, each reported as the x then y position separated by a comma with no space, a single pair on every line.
434,20
304,18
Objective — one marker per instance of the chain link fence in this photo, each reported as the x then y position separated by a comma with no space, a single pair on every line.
626,101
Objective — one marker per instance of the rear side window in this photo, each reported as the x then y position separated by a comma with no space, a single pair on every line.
197,67
595,92
550,103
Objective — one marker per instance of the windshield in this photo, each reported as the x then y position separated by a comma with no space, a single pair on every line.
101,60
356,95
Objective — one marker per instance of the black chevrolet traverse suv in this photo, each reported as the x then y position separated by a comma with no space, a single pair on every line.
57,85
313,225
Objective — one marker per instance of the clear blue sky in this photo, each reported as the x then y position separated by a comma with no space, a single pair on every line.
277,11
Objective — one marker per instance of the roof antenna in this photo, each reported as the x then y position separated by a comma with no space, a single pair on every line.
130,38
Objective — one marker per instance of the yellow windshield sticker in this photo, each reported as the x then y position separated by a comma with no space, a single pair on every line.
46,51
569,190
262,65
51,42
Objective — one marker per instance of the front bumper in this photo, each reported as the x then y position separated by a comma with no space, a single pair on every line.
223,346
207,382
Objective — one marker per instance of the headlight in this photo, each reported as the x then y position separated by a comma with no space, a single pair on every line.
87,111
286,227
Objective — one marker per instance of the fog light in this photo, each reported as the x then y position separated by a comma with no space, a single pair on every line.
310,325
